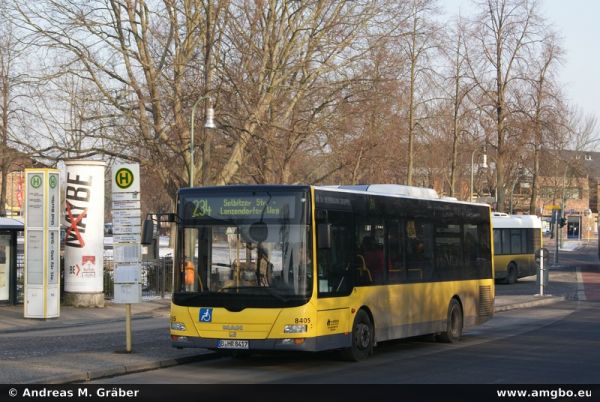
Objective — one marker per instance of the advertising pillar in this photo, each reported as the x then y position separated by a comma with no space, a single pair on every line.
42,244
84,236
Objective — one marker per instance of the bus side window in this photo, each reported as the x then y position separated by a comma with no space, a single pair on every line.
472,250
497,242
419,251
371,261
515,241
485,252
395,252
337,265
505,241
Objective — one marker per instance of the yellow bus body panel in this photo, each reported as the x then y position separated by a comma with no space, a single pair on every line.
525,264
412,309
250,323
397,311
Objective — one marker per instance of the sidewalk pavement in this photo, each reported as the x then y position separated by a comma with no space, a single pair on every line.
12,321
95,365
61,350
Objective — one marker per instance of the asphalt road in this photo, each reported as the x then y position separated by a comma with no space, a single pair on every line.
554,344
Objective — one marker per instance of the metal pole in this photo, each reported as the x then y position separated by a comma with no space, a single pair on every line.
163,278
556,227
128,327
208,124
541,272
192,166
598,236
472,162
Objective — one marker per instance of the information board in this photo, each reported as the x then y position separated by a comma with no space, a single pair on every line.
127,249
42,244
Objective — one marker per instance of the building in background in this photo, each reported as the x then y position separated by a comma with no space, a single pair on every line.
15,182
568,180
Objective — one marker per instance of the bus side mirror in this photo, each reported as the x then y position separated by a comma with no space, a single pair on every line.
147,232
324,235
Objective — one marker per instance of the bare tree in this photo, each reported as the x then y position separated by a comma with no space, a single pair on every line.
270,68
420,40
544,99
280,54
317,90
456,88
503,32
11,80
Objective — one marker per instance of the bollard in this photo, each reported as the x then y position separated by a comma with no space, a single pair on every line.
542,274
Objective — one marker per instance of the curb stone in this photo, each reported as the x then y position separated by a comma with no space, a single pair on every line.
138,367
543,300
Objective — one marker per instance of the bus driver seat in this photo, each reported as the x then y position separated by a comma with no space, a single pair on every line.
363,272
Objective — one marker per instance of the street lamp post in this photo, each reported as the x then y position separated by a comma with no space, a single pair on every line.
512,190
209,123
483,165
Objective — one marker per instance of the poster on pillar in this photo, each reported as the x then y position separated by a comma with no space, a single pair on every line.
84,233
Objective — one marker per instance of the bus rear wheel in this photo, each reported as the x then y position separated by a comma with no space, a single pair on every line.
454,324
363,338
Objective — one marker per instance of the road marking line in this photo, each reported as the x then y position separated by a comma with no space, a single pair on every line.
580,287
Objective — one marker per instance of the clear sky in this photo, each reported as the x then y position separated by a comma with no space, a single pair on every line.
578,23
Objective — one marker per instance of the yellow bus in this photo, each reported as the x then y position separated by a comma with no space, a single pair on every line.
315,268
516,239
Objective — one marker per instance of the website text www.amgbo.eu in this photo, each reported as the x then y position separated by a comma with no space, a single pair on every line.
544,393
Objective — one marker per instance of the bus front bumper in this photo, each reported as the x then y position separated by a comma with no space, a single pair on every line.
313,344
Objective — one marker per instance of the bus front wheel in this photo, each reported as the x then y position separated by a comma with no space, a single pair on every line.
454,323
512,273
363,338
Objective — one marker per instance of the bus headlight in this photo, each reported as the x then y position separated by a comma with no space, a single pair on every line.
178,326
294,329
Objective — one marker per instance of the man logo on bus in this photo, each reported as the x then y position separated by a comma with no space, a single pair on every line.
205,314
124,178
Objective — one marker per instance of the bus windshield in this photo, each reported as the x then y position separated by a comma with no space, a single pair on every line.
230,250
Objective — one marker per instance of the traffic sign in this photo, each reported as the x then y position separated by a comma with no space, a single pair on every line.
125,221
125,196
127,213
126,204
127,229
127,238
126,178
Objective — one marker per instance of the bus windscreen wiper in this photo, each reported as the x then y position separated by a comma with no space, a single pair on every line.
270,291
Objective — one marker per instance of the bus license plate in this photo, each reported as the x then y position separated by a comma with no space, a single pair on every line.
232,344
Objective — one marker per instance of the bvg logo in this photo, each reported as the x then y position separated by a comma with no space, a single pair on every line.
124,178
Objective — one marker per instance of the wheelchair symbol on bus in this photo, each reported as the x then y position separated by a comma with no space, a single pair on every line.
205,314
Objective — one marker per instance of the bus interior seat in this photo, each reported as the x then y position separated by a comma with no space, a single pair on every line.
363,271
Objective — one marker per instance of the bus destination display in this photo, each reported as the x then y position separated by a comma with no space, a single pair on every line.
244,207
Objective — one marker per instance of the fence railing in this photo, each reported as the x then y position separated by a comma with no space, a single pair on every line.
20,278
156,278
